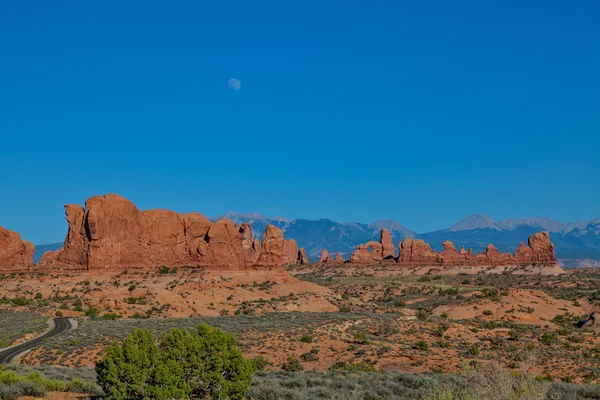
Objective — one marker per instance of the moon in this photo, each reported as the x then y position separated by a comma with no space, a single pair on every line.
234,84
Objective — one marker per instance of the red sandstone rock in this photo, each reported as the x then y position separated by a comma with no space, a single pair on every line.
302,258
416,251
222,246
592,322
324,256
250,246
291,252
338,258
15,254
112,233
542,249
388,252
449,255
523,254
367,253
272,248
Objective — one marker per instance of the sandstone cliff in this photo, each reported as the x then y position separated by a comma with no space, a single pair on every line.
15,254
111,233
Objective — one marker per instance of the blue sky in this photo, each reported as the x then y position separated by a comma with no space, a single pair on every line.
424,112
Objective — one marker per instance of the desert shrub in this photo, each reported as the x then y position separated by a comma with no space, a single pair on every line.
421,345
356,367
548,338
385,329
15,383
202,362
21,301
260,363
292,365
306,338
309,357
473,350
91,312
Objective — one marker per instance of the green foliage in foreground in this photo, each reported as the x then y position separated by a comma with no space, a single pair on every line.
14,385
490,383
197,363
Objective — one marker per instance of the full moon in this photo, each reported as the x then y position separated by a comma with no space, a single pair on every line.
234,84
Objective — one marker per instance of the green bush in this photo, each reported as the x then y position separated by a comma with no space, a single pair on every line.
292,365
21,301
548,338
198,363
306,338
421,345
91,312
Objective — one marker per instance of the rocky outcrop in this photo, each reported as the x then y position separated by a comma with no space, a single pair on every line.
374,252
15,254
324,256
291,252
338,258
387,252
592,322
302,257
417,252
542,249
368,253
111,233
272,248
250,246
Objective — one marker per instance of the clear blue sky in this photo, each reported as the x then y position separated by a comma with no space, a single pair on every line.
420,111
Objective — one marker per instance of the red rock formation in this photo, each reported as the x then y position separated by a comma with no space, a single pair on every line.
416,251
592,322
272,248
374,252
250,246
542,249
15,254
291,252
367,253
222,248
111,233
324,256
388,252
302,258
449,255
338,258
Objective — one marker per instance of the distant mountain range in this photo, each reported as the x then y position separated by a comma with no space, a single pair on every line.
573,241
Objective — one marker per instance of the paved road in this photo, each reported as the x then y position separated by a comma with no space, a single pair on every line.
60,325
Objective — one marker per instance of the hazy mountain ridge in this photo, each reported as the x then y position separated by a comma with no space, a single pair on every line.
571,240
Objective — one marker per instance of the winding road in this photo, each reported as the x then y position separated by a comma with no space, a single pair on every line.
60,325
